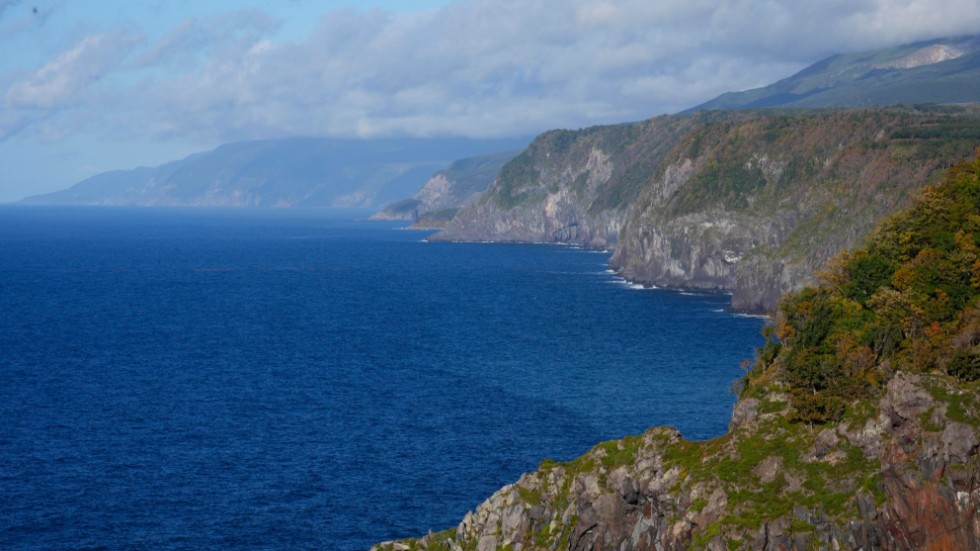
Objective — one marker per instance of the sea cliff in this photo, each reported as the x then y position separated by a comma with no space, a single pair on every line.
749,202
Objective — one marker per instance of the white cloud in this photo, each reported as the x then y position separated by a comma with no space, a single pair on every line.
62,81
476,67
193,39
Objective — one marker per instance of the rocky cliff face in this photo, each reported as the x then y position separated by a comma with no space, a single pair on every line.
750,202
446,191
569,187
901,473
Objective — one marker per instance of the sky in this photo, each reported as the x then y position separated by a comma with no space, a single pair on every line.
90,86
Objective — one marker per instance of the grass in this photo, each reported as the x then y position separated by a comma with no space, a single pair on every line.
620,452
531,497
960,406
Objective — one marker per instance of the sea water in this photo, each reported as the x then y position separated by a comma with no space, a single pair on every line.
301,379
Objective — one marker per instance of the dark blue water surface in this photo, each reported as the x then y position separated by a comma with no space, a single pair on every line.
290,379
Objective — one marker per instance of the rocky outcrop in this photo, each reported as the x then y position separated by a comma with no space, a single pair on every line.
560,219
899,473
750,202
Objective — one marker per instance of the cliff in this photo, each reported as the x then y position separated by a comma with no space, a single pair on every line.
857,428
751,202
567,186
461,183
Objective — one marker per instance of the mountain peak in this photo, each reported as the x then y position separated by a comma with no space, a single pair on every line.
945,70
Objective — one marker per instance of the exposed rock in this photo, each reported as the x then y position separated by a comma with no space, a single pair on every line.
745,411
768,469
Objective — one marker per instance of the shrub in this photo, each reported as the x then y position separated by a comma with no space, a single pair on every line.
965,365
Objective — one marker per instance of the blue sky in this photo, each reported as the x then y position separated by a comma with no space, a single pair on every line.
87,87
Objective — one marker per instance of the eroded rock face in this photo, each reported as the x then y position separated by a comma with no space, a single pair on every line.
903,477
564,188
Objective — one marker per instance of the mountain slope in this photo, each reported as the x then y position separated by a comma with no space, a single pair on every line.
288,172
938,71
837,442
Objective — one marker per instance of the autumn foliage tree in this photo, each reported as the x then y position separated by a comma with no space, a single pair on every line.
909,300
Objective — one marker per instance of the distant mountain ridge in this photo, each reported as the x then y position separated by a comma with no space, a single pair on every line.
314,172
945,70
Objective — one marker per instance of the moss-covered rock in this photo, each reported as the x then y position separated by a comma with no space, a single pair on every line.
894,480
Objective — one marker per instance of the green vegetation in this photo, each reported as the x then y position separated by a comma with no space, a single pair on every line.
530,497
514,177
620,452
909,300
403,207
960,406
438,541
727,182
435,218
475,174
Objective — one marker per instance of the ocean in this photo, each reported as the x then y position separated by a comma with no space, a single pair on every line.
260,379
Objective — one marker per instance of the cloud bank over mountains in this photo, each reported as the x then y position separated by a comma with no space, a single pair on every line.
474,67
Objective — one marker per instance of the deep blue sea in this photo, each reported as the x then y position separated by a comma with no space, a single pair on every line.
270,379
